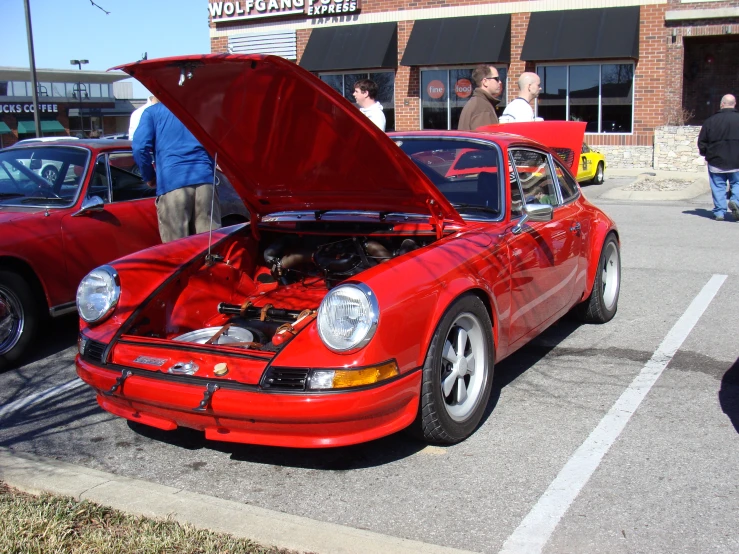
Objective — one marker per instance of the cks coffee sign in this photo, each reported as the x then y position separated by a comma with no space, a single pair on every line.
254,9
28,108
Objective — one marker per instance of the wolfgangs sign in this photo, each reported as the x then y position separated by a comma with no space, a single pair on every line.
254,9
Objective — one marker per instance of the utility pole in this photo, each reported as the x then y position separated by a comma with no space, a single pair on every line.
31,57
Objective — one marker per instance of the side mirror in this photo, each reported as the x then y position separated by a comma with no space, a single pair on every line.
35,163
534,212
539,212
90,205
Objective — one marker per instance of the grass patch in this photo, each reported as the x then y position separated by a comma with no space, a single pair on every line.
48,523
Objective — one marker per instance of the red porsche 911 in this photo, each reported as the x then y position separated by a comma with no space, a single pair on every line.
374,288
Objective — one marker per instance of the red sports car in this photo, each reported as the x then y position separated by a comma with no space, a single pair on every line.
371,292
66,207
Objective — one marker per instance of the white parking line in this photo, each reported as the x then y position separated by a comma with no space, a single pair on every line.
38,397
536,528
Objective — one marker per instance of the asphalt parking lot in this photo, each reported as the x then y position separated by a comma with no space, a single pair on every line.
665,480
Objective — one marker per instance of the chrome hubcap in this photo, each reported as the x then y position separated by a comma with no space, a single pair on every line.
463,367
610,275
11,320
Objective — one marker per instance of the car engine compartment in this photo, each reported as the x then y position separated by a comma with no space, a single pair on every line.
258,295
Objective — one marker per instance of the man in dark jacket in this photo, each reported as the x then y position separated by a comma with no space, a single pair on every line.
183,176
480,109
718,142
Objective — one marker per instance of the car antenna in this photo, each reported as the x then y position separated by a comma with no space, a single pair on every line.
209,259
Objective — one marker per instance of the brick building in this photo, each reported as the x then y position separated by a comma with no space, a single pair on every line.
70,103
625,67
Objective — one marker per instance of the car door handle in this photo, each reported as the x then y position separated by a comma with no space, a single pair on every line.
575,227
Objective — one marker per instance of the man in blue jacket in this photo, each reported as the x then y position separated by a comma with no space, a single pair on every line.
182,174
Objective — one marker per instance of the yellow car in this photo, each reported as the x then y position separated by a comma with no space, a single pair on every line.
592,166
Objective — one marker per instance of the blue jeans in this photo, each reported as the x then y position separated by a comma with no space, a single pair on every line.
718,190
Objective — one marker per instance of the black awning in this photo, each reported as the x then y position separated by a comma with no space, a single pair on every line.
371,46
582,34
475,39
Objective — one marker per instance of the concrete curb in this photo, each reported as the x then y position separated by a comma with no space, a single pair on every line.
36,474
698,187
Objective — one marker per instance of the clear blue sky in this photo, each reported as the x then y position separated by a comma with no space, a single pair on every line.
65,30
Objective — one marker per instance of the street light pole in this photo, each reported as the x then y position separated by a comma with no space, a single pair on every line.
79,64
32,59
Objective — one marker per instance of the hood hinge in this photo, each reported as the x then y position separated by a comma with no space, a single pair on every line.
436,218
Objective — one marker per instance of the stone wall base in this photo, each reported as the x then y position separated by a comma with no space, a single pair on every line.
626,157
675,148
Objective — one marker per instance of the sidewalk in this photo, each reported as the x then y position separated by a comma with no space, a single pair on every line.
36,474
654,181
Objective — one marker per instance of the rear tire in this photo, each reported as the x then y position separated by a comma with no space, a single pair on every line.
457,374
20,316
602,304
599,174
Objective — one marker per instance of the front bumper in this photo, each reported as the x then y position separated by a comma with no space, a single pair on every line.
307,420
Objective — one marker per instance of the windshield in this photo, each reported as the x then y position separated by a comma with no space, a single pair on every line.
48,176
465,172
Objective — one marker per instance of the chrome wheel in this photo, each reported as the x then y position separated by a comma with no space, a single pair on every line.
50,173
463,367
610,275
12,320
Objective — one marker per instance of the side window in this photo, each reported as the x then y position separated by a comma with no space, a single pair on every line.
99,183
516,198
567,185
535,177
125,178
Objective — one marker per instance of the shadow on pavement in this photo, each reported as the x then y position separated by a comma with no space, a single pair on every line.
728,395
702,212
54,336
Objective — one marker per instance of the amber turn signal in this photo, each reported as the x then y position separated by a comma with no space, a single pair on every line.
322,379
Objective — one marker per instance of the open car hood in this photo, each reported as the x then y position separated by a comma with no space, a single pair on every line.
286,140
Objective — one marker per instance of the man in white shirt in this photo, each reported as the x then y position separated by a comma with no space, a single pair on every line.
136,116
365,94
519,109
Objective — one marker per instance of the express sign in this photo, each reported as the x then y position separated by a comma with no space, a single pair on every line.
27,108
253,9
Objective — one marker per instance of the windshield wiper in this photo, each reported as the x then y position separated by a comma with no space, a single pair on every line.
10,194
44,199
485,209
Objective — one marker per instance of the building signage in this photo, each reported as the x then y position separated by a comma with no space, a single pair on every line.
255,9
463,88
435,89
28,108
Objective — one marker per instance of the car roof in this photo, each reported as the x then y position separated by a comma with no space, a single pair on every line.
96,144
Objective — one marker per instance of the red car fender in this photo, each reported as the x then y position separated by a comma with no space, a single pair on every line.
453,291
597,237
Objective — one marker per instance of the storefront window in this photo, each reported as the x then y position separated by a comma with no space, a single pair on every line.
343,83
19,89
57,89
4,88
95,90
444,92
617,97
44,88
599,94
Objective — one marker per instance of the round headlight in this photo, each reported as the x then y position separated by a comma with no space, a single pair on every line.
98,294
347,317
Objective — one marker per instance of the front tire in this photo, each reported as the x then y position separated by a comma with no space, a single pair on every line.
599,174
19,317
602,304
457,374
